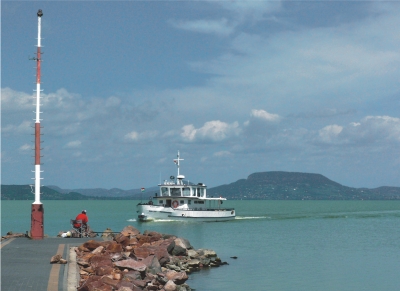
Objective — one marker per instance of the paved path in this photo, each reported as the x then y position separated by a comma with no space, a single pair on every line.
25,263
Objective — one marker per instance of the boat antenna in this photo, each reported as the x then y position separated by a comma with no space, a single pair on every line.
176,161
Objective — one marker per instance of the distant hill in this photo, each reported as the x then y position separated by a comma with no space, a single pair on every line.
264,185
298,186
101,192
24,192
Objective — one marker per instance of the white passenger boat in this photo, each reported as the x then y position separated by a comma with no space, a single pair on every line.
180,200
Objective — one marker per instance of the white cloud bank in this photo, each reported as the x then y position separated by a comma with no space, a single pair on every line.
370,130
215,130
264,115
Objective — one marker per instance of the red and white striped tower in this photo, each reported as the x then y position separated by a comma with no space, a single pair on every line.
37,222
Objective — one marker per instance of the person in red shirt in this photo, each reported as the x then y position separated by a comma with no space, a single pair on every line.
82,216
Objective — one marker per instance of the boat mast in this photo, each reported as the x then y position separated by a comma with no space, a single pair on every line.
179,177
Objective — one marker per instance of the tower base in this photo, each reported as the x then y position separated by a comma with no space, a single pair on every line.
37,221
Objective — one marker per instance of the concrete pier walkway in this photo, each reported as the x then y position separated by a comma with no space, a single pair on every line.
25,264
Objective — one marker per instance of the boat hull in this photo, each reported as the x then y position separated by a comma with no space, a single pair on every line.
153,212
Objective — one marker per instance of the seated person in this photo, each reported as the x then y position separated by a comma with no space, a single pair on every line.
82,216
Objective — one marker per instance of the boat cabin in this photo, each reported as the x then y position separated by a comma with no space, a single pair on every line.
186,191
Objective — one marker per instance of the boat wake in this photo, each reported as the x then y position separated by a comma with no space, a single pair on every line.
164,220
132,219
251,217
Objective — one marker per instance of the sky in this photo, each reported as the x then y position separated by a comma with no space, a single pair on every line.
237,87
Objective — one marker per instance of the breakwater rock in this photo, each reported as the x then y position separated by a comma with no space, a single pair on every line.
133,261
10,234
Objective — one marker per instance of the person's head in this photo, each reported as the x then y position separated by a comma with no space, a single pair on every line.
84,211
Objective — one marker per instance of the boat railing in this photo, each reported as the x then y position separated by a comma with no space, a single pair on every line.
206,209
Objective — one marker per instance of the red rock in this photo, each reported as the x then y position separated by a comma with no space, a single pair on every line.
155,235
88,270
131,264
139,283
133,241
170,286
122,239
98,250
114,247
102,287
162,255
103,270
81,248
55,259
152,287
91,244
152,263
126,284
132,275
177,277
143,251
82,262
100,260
90,283
117,276
130,231
144,239
109,281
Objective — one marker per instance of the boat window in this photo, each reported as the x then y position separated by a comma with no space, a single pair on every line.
186,191
181,202
176,192
164,191
189,202
202,192
199,202
160,201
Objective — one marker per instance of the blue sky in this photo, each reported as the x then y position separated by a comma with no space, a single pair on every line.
237,87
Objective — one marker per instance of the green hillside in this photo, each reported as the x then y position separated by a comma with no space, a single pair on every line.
24,192
298,186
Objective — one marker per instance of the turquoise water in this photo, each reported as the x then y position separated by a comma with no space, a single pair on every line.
280,245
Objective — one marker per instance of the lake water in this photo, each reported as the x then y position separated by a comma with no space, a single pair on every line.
280,245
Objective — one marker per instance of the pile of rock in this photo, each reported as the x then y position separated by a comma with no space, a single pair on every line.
134,261
10,234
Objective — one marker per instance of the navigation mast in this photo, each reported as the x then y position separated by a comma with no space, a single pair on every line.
37,222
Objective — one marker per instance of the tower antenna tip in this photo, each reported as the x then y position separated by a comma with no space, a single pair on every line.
40,13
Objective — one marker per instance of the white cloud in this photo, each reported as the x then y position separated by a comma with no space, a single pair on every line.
264,115
133,135
249,9
370,130
330,132
74,144
145,135
376,128
311,67
219,27
24,127
215,130
25,147
12,100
